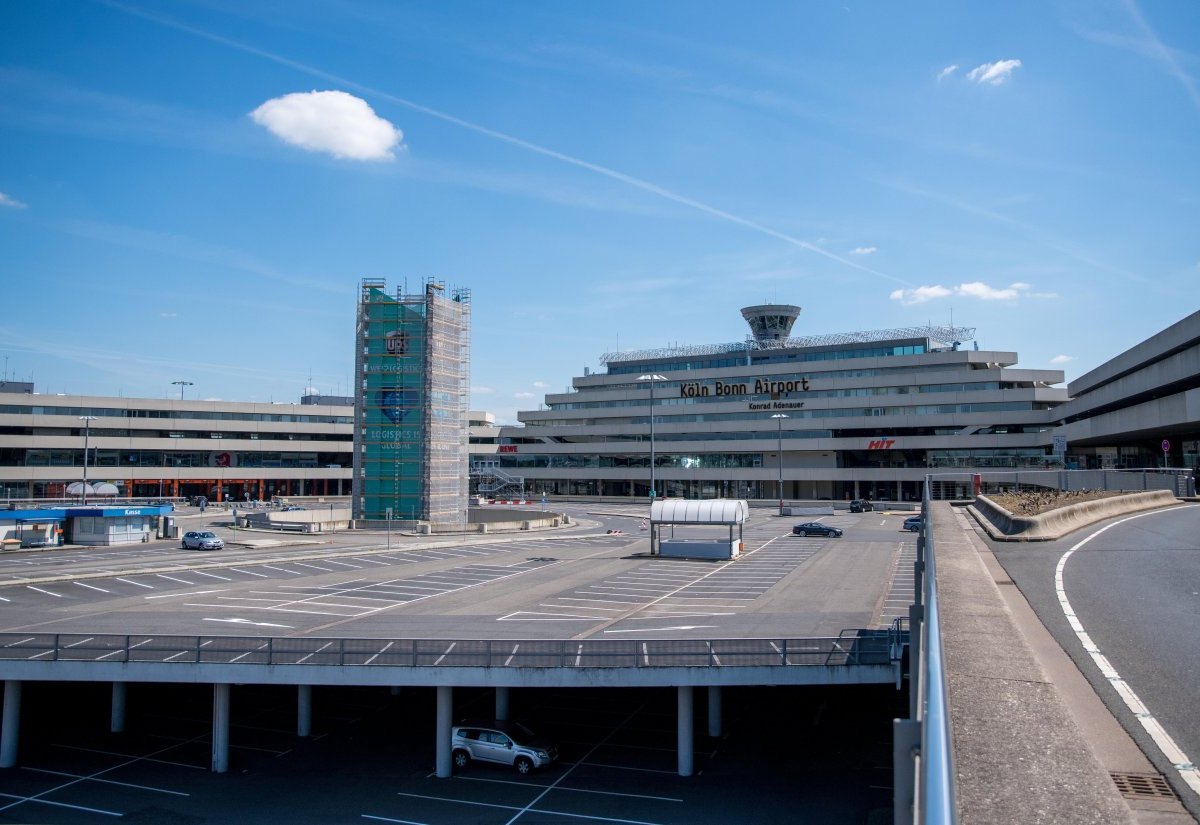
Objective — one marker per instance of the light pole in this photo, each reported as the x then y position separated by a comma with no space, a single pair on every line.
182,384
652,377
87,426
779,418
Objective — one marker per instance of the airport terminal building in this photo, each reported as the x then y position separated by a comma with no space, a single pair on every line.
853,415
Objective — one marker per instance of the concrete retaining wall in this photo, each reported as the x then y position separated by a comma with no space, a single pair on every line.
1002,525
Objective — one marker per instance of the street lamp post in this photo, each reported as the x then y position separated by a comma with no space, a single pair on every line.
181,385
87,426
779,418
652,377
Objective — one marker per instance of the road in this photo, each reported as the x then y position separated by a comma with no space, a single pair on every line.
1134,585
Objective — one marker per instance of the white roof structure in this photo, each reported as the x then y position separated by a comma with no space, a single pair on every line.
699,511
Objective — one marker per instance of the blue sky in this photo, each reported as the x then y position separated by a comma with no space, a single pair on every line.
193,190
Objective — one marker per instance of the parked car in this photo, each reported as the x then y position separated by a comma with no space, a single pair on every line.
202,540
861,505
912,523
505,743
815,528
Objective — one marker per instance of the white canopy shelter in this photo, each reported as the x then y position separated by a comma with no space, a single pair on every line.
724,512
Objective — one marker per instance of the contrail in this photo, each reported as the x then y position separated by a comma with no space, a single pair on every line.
613,174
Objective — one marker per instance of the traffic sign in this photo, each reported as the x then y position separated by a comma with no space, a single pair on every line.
1166,445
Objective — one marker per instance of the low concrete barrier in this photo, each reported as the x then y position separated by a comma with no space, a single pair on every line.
1002,525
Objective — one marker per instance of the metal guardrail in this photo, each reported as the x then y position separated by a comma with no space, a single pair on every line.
875,648
957,485
922,749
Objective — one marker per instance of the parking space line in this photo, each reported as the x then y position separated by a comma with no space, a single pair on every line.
574,790
212,575
21,799
105,781
139,584
250,573
172,578
90,587
178,595
527,809
48,593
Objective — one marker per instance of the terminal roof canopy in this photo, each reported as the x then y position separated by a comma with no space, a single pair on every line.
694,511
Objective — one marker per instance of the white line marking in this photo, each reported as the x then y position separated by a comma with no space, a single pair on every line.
172,578
250,572
89,587
47,592
175,595
444,655
1179,760
139,584
654,629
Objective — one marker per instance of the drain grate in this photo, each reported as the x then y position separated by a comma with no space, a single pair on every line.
1143,786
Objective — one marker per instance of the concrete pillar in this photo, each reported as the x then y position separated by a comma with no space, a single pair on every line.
501,704
220,731
11,732
686,730
714,710
304,710
118,708
445,713
899,491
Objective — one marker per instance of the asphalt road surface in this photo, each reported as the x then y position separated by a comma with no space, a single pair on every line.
1135,590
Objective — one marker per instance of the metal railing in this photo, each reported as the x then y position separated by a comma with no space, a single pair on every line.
923,753
951,485
863,648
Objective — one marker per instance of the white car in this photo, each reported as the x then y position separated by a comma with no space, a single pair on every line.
202,540
506,743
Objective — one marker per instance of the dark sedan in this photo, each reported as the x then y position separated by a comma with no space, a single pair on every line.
814,528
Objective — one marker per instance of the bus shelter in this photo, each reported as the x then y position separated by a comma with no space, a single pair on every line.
685,520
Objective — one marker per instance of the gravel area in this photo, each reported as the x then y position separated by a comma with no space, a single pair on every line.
1036,503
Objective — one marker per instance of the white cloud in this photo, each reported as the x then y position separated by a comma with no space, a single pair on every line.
993,73
919,295
541,385
946,72
978,289
1062,359
864,250
973,289
12,203
334,122
523,395
483,390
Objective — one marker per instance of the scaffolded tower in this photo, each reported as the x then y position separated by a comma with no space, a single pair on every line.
412,368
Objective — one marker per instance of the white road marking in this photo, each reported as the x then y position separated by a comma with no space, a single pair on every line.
247,621
139,584
176,595
89,587
47,592
1179,760
655,629
250,573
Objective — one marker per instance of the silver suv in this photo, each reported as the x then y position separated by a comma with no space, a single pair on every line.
507,743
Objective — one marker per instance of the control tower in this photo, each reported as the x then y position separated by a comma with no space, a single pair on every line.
771,323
